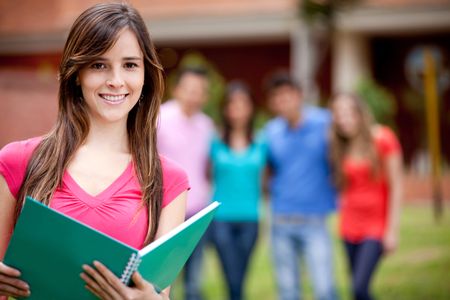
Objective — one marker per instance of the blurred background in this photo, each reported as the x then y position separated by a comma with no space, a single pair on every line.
374,47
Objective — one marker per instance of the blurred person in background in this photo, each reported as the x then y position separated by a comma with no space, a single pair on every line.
301,190
367,169
184,135
238,161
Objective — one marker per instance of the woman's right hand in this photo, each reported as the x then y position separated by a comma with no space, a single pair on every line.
10,284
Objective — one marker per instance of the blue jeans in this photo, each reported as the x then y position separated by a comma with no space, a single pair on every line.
363,258
193,271
295,237
234,242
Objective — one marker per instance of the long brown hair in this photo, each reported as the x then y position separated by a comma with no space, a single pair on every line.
233,87
92,34
339,143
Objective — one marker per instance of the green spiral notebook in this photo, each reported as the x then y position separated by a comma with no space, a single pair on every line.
49,249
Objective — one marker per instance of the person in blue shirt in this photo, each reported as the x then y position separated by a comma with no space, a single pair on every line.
301,190
238,161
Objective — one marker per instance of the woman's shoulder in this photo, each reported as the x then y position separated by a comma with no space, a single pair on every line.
216,136
171,169
14,159
19,150
386,139
27,143
260,138
217,139
175,179
383,132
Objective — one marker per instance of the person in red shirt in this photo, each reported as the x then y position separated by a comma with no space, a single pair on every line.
367,169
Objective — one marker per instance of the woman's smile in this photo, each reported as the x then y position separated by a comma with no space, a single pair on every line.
114,99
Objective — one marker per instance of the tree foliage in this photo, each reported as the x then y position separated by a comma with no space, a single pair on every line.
379,100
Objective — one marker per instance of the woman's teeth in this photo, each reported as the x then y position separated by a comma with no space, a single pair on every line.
113,98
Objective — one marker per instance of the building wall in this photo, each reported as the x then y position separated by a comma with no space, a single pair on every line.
28,102
251,63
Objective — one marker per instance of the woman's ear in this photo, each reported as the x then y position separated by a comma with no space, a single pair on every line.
77,80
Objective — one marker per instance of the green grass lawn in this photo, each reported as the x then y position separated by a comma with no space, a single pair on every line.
419,269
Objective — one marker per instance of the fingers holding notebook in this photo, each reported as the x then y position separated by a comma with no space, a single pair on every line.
10,284
105,285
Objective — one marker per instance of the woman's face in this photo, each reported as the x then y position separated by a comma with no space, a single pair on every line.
239,109
112,84
345,116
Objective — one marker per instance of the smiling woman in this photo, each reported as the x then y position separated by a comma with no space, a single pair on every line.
367,169
99,164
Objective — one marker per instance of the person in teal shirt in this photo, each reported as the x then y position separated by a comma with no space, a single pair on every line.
238,161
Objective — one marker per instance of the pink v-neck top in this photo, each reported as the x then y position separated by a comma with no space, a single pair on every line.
116,211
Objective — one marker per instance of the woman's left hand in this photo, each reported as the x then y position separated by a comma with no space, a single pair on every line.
390,242
105,285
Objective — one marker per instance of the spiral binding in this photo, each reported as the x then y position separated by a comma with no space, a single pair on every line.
133,264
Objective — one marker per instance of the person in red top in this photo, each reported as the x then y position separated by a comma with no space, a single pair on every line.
367,169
